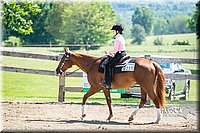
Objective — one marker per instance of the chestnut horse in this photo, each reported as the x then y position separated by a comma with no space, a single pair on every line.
148,74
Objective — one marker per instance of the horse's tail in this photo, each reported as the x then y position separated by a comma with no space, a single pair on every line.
160,85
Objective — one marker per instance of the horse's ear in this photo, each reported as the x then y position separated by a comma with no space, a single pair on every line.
66,49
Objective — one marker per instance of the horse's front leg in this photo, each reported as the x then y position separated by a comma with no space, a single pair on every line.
90,92
108,100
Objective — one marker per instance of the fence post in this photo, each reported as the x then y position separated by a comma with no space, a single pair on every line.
61,93
147,56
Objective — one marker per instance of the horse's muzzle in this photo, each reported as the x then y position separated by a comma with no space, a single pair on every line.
58,72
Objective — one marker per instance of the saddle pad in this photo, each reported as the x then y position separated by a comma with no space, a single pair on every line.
128,67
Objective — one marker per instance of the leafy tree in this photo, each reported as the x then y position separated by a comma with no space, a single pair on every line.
144,17
138,34
166,9
160,26
198,21
178,24
39,34
82,23
16,16
54,20
192,21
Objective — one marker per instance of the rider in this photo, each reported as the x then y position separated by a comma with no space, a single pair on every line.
118,52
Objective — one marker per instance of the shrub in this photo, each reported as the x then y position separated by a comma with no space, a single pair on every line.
181,42
12,42
158,41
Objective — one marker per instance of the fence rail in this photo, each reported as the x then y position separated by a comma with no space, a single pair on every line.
30,55
60,45
174,60
36,71
57,57
80,74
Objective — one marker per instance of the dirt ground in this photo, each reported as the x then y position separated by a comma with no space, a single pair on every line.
20,116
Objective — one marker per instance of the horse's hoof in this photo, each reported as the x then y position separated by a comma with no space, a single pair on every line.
83,116
130,119
108,119
157,121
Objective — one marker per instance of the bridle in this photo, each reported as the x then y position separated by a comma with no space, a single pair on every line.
66,58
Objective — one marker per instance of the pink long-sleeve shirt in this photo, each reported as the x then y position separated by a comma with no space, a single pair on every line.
119,44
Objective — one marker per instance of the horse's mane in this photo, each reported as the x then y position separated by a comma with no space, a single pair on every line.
84,55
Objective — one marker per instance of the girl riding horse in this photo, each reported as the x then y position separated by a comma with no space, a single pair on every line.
148,74
118,52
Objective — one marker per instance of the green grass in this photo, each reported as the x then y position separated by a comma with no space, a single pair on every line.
29,63
17,86
169,39
39,88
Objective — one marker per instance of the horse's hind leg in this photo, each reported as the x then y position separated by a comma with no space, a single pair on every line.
142,103
154,98
90,92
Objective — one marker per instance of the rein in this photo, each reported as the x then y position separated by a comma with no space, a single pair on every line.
84,66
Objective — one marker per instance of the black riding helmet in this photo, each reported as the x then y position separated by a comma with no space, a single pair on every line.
118,27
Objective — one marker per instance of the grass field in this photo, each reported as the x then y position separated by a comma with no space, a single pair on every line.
169,39
39,88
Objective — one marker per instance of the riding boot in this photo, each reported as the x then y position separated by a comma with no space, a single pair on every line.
107,81
109,78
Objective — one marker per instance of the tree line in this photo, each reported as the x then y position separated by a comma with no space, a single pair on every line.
83,23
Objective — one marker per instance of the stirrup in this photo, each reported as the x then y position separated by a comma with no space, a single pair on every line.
107,86
103,83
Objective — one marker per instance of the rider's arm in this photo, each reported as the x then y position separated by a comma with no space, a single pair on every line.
117,44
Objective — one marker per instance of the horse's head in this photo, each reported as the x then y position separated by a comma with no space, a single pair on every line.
65,63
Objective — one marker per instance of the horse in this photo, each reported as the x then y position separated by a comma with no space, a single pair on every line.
148,74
